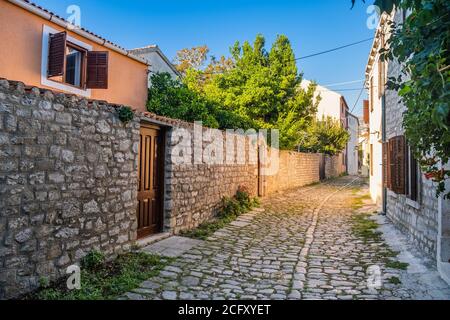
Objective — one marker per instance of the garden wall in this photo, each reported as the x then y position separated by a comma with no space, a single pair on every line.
295,170
67,183
334,166
68,180
194,192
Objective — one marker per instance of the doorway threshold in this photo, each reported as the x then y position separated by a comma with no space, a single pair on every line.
143,242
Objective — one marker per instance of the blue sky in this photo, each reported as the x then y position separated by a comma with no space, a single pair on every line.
312,26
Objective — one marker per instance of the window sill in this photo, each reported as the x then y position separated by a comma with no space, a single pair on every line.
413,204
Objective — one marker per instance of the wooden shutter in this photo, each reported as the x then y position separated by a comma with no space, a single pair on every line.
97,70
397,154
56,54
386,166
366,112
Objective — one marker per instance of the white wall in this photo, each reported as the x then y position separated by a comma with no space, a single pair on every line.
352,146
158,61
375,138
330,103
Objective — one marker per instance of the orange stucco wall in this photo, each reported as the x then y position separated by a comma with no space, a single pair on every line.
21,50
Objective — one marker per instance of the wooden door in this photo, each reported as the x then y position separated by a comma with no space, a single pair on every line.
150,175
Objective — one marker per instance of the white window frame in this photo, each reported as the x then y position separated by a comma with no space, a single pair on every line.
46,32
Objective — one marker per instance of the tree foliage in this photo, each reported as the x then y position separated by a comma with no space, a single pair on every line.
262,87
325,136
421,44
191,58
172,98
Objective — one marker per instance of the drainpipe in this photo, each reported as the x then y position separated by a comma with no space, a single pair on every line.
383,139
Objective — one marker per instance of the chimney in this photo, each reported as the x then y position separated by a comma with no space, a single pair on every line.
366,111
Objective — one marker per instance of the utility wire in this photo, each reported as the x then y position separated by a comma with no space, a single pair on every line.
334,49
315,54
341,83
357,100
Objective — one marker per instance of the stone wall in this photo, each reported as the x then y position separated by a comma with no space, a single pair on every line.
418,219
68,177
334,166
194,192
295,170
68,180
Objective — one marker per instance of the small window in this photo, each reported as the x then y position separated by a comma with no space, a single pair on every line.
75,58
73,65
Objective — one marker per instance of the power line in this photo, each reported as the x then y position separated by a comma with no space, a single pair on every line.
357,100
342,83
334,49
314,54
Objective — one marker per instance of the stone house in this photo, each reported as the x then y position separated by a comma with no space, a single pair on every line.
375,75
407,197
45,50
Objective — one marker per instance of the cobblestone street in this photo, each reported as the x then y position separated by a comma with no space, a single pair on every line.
309,243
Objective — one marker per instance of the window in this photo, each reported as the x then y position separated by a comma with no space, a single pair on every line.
70,65
75,60
402,172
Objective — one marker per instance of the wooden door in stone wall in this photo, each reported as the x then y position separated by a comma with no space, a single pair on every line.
150,181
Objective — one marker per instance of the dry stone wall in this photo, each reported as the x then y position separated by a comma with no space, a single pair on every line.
67,184
334,166
68,180
194,191
295,170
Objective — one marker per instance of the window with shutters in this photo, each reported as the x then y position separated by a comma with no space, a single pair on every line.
69,64
396,160
401,172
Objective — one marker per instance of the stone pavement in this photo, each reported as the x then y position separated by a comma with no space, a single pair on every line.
299,245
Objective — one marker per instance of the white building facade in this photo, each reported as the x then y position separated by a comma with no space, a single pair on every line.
159,63
353,145
374,76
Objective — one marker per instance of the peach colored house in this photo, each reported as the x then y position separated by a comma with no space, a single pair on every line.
41,49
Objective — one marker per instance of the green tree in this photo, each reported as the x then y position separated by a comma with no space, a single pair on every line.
262,87
171,98
325,136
